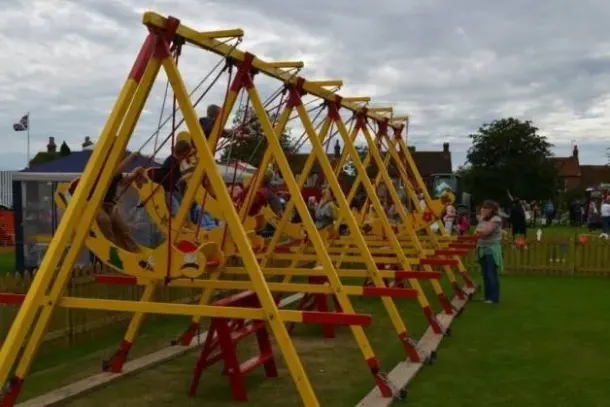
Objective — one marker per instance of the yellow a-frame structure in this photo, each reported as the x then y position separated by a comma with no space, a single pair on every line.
182,266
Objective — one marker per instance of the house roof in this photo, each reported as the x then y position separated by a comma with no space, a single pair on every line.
297,162
75,164
567,166
428,162
432,162
591,175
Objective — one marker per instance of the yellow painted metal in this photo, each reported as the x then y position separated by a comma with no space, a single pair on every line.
287,64
313,235
356,99
87,216
234,33
355,233
394,157
372,194
326,84
192,37
374,152
81,209
69,232
386,109
207,163
410,162
247,285
396,119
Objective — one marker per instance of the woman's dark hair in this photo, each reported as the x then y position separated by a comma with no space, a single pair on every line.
182,147
493,207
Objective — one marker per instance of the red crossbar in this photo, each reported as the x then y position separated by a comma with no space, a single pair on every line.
467,238
116,280
467,246
439,262
235,298
450,252
333,318
433,275
390,292
11,298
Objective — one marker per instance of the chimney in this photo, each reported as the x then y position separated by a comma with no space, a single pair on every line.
51,147
575,151
445,147
87,144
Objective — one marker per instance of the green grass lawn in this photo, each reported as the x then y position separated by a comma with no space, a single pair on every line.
546,344
7,261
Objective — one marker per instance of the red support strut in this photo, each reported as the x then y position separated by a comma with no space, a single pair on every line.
221,342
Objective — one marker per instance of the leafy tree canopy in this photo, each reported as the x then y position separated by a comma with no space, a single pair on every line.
251,143
508,155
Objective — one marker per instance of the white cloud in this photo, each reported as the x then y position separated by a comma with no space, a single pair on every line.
450,66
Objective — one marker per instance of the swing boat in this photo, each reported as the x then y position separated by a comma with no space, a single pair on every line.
162,48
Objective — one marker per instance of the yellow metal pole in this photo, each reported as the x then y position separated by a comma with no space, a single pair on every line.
73,226
371,267
395,244
373,150
393,154
273,317
281,125
414,170
116,155
314,236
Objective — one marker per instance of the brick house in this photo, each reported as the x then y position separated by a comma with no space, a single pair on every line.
568,170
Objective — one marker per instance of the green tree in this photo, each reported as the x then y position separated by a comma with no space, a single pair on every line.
508,155
64,150
250,141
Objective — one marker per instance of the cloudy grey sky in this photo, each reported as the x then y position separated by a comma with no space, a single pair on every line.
452,65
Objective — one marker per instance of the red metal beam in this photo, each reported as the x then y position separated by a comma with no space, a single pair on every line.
390,292
333,318
450,252
116,280
11,298
433,275
467,246
439,262
467,238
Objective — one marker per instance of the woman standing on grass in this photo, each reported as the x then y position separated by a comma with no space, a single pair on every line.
489,250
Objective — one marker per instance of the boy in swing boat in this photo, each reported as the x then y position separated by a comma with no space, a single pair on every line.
109,218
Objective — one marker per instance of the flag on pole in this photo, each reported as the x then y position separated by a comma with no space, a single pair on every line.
23,123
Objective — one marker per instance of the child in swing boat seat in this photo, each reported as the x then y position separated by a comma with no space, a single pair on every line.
169,175
109,218
489,250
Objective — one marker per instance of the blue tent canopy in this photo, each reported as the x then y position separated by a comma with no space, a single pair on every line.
76,162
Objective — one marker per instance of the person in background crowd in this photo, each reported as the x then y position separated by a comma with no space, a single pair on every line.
605,212
169,175
463,223
449,218
489,250
549,213
592,216
326,210
517,219
109,218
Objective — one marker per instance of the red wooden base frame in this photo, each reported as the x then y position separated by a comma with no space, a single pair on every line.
224,335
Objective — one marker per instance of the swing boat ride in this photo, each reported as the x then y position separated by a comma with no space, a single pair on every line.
394,259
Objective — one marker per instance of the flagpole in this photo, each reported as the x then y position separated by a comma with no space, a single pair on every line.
28,129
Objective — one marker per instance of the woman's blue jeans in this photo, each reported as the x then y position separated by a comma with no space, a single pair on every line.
606,224
491,281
